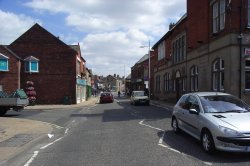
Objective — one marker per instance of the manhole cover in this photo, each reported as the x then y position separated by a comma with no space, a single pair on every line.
17,140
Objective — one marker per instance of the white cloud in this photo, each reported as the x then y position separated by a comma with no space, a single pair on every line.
110,52
111,30
100,16
13,26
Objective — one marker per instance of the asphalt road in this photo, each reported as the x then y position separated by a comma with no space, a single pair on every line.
118,134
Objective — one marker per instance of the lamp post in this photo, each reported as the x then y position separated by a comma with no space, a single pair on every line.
148,66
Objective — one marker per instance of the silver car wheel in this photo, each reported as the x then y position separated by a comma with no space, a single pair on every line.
207,142
175,125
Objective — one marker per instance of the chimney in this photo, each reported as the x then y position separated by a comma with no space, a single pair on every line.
171,25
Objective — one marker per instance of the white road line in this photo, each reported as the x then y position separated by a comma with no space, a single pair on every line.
32,158
53,125
51,143
177,151
66,131
161,139
141,123
165,146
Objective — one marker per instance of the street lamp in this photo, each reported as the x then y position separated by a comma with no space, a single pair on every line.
148,65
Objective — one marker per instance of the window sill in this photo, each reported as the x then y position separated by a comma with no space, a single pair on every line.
4,70
31,72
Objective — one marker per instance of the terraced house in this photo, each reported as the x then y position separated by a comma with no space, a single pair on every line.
208,49
57,69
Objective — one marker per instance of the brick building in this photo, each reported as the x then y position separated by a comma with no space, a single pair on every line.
56,69
139,74
10,65
208,49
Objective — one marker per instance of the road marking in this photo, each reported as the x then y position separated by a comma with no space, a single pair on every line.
177,151
53,125
161,139
165,146
44,147
141,123
66,131
32,158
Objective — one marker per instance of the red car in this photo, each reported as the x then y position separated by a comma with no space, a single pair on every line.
106,97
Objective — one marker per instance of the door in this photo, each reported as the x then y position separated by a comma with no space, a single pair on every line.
192,120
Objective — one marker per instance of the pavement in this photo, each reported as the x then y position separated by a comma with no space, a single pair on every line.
18,134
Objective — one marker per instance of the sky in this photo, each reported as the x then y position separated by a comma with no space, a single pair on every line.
110,32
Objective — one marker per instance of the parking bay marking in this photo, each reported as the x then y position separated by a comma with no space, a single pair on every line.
160,143
141,123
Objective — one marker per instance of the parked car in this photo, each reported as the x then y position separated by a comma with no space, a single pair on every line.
15,101
106,97
219,120
139,97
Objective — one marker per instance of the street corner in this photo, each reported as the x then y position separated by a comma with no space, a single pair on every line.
10,127
16,134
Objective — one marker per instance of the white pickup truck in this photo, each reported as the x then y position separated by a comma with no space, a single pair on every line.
15,101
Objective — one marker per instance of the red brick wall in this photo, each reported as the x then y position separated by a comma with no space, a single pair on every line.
9,80
198,27
57,65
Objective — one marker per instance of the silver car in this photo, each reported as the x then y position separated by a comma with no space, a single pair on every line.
219,120
139,97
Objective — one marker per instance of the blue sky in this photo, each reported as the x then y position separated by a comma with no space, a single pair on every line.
110,32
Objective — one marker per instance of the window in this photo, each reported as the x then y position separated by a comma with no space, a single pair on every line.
194,78
222,14
248,13
167,82
78,67
183,102
183,84
158,83
31,64
179,49
219,14
161,50
247,74
4,63
247,80
218,75
215,17
193,103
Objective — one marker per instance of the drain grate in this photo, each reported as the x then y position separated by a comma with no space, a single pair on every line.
17,140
